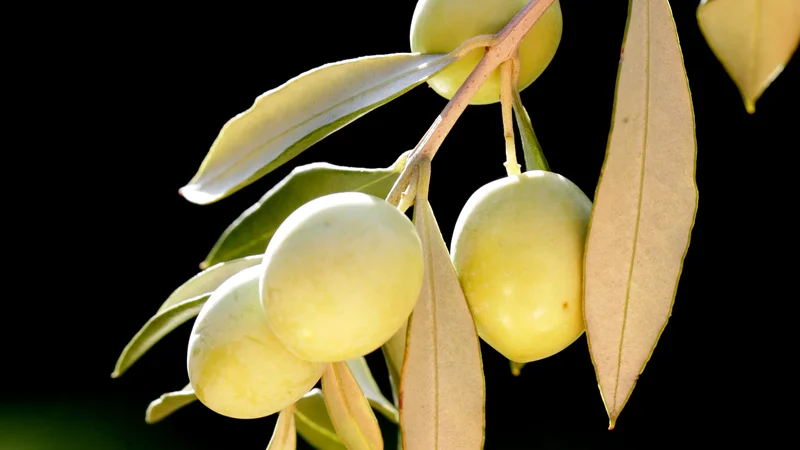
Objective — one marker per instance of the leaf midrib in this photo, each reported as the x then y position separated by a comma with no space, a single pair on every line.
639,203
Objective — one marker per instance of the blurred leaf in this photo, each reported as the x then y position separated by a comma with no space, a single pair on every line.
287,120
156,328
442,389
753,39
349,410
362,374
314,424
285,436
209,279
644,206
168,404
250,233
532,150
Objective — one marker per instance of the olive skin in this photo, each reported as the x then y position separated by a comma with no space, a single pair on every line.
440,26
340,276
237,367
518,248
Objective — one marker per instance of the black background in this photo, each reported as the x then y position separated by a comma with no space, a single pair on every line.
127,105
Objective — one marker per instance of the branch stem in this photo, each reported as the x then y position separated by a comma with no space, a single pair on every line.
503,47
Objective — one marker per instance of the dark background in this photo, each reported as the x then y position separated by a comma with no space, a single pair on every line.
127,102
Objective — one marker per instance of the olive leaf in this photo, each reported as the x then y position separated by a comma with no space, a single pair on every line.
314,424
169,403
753,40
644,207
284,437
394,351
362,374
349,410
287,120
209,280
442,387
250,233
531,149
156,328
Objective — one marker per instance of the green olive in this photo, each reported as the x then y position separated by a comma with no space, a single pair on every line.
340,276
237,367
440,26
518,249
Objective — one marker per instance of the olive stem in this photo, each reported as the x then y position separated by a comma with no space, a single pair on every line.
424,178
507,104
407,199
503,46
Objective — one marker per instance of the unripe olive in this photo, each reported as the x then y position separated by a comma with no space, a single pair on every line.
237,367
518,249
440,26
340,276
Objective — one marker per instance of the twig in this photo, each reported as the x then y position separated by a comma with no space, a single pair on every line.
505,44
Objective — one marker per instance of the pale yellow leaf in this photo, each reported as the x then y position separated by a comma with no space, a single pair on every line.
753,39
285,436
644,207
169,403
349,410
442,392
394,352
287,120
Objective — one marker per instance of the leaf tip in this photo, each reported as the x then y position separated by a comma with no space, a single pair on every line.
750,106
612,422
194,194
115,374
204,265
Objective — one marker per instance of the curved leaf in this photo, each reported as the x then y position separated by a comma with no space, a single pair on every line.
250,233
349,410
644,206
208,280
168,404
753,39
531,149
394,352
442,391
314,424
362,374
156,328
284,437
285,121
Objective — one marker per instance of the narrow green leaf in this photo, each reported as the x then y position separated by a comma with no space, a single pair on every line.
284,437
156,328
394,353
208,280
168,404
362,374
287,120
250,233
314,424
531,149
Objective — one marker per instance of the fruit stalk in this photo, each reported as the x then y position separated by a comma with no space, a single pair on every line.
507,104
504,47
